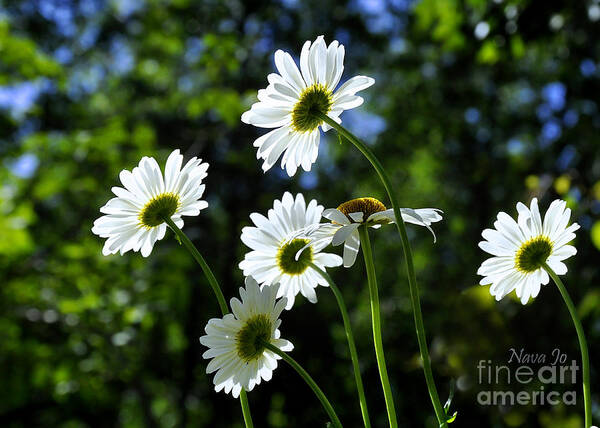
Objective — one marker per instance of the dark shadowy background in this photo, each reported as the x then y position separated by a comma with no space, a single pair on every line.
477,105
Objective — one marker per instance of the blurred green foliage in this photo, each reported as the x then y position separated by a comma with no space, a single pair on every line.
477,105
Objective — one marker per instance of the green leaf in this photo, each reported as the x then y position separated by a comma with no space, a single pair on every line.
489,53
450,396
450,419
595,232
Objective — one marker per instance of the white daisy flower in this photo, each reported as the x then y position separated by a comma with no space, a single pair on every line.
293,97
235,341
521,247
134,220
349,216
274,247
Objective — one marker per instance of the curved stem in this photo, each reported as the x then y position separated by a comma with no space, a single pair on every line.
376,319
309,380
220,298
585,358
351,345
205,268
412,279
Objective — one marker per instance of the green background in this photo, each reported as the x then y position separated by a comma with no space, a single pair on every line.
476,105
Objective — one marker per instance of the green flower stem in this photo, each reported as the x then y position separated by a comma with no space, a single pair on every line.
220,298
585,357
246,409
412,279
376,319
351,345
205,268
309,380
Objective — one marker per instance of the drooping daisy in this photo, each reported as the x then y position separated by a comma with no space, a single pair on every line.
274,247
293,97
134,220
521,247
235,341
349,216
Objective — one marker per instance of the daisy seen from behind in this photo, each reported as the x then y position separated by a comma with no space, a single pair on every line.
236,341
274,247
349,216
294,99
520,248
135,218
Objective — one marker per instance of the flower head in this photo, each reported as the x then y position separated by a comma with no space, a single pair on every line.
274,247
294,100
520,249
236,341
349,216
135,219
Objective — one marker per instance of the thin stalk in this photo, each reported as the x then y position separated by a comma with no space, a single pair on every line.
309,380
220,298
246,409
351,345
585,357
412,279
376,320
205,268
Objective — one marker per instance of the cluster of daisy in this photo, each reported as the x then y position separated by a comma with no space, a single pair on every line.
284,244
288,244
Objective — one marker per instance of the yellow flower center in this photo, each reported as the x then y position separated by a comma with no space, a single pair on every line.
157,208
286,257
250,338
314,99
532,254
367,206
